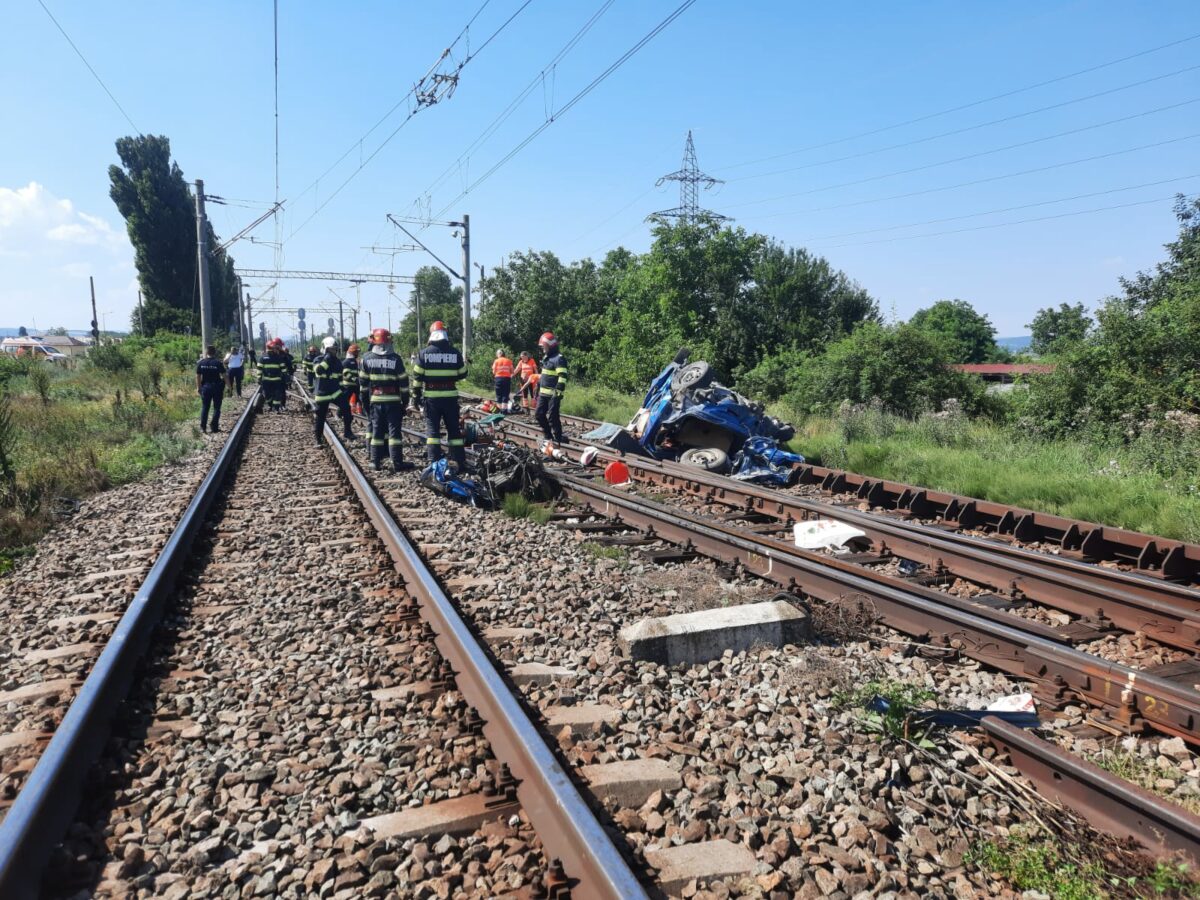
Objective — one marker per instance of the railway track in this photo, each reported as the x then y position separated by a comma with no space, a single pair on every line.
333,681
279,669
1100,600
1163,560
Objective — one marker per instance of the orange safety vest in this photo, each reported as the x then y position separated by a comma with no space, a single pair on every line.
502,367
526,368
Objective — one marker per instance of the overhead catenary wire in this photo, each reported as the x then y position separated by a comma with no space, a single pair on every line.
964,106
95,74
523,95
595,82
412,113
968,128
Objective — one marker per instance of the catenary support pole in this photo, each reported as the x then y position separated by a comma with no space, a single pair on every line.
202,267
466,268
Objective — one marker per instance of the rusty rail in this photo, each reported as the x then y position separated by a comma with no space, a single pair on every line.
1167,612
1105,801
1017,646
564,822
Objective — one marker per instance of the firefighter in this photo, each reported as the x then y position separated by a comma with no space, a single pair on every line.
210,385
327,375
289,371
439,368
307,363
550,388
527,371
272,366
350,391
502,372
382,375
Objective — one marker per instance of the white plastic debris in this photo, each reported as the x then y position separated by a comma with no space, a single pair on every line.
818,533
1013,703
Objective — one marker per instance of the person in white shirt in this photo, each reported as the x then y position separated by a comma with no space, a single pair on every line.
235,365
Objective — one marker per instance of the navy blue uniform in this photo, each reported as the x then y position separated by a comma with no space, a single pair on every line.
550,393
211,372
382,376
439,368
272,368
327,377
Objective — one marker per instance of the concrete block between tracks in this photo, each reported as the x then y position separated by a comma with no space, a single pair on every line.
710,859
584,719
631,782
459,815
700,636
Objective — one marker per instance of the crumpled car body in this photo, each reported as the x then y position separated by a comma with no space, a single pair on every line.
677,417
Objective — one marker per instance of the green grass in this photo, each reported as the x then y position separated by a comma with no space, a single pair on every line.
1070,872
902,700
602,552
77,431
518,507
1145,773
979,459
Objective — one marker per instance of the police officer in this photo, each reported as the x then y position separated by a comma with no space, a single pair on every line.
551,387
210,384
327,377
307,363
439,368
382,375
272,367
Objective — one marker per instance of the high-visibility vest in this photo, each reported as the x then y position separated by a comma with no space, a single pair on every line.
502,367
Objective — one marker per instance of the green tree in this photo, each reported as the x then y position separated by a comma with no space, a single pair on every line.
1054,329
905,368
440,300
22,332
159,210
1140,359
967,335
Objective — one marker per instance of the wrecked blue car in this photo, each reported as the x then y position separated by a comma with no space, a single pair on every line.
689,417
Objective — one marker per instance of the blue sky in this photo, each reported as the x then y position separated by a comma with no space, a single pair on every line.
761,84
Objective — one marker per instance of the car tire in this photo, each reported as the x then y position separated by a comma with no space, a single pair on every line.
693,376
710,459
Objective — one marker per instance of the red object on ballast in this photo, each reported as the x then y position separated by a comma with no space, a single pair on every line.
616,472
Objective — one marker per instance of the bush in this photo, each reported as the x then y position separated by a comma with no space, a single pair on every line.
39,380
899,367
111,358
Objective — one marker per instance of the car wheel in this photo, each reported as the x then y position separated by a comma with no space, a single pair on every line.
692,377
708,458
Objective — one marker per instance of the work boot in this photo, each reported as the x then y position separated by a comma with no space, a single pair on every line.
403,466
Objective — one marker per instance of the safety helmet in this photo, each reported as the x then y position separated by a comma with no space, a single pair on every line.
548,341
439,325
329,343
437,331
274,344
352,349
381,336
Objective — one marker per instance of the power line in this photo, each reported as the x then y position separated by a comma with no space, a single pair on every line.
968,128
942,188
986,179
523,95
960,108
423,101
599,79
1081,212
99,80
977,155
993,212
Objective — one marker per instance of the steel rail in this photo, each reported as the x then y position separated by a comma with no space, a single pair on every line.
1156,557
1016,646
560,815
1164,611
46,806
1105,801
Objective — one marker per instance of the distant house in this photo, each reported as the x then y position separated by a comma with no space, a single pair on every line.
1003,373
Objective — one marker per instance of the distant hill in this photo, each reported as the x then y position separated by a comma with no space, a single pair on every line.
1015,344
